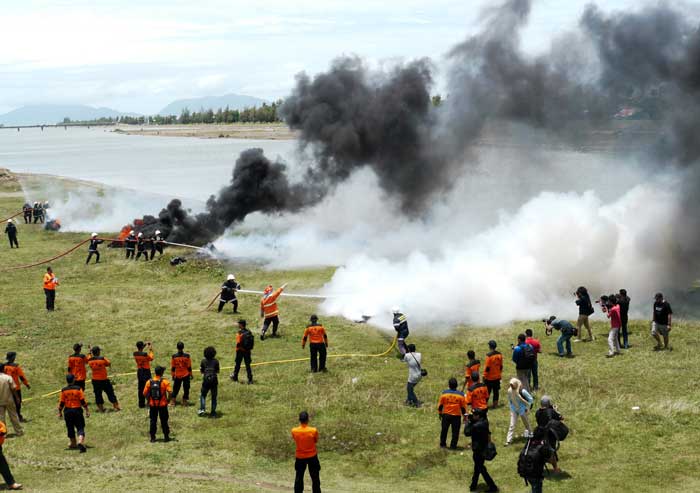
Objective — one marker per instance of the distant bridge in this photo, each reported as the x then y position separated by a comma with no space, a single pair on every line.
57,125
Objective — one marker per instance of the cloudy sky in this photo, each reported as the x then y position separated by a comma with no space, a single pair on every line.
137,55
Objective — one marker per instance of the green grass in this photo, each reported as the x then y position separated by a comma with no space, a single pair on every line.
369,440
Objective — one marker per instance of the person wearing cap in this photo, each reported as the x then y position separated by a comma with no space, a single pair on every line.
92,248
520,401
478,394
7,400
567,332
143,368
537,346
493,370
50,283
473,366
228,293
11,231
70,407
413,360
4,467
269,310
77,363
452,405
17,373
100,381
481,437
400,323
306,437
318,342
181,371
546,413
661,318
243,337
156,244
141,247
158,391
130,245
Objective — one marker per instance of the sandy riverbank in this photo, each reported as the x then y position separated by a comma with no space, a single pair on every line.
261,131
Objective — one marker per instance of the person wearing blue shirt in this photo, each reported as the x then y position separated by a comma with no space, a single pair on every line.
567,332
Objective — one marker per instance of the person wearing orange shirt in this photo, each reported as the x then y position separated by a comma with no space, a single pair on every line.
473,365
143,368
318,342
76,366
493,371
100,383
478,394
181,371
50,283
306,437
244,346
17,374
269,311
70,408
158,392
4,467
451,407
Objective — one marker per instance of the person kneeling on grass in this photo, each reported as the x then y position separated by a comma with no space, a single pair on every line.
158,390
4,467
70,408
306,437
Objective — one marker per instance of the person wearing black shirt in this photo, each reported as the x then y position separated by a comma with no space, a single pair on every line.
228,293
543,416
11,231
481,436
661,321
585,309
210,381
92,249
624,301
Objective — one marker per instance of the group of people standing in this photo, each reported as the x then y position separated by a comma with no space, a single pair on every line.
37,212
138,245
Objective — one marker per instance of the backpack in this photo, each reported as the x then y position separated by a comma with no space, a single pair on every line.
527,358
248,340
155,393
210,373
530,461
558,429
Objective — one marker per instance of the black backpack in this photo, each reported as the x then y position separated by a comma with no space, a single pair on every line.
558,429
527,358
248,340
210,372
530,461
155,390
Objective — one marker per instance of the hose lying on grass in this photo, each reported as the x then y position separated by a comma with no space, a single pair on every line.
11,217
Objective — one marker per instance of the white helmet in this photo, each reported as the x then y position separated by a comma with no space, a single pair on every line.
395,310
93,234
9,220
131,232
157,231
140,235
231,277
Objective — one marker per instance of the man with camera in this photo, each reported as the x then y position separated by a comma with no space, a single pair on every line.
567,332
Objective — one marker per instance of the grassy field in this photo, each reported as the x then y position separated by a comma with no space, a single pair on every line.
369,440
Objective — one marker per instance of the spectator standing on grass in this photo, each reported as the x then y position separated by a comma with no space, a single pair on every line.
157,390
4,467
585,310
181,371
17,373
143,369
624,301
306,455
492,372
7,401
535,454
481,437
473,366
520,401
209,368
524,358
77,363
662,316
566,330
100,382
318,342
70,408
451,407
478,394
11,231
413,360
244,346
50,283
546,413
612,310
535,343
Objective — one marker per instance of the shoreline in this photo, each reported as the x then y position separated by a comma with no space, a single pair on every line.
246,131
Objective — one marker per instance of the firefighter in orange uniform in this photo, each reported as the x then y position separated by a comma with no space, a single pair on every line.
70,408
318,342
181,371
269,311
451,407
17,374
493,371
306,438
158,392
76,366
50,283
473,365
100,382
143,368
478,395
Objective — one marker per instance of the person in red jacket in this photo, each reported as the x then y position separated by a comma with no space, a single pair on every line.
306,437
269,311
612,310
318,342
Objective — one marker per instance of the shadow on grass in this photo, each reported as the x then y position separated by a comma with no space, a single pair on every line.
558,476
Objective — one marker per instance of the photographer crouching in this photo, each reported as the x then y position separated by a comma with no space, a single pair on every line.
567,332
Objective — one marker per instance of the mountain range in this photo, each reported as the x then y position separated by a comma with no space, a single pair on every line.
233,101
49,114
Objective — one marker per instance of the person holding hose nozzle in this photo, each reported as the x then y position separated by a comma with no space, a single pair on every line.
156,244
143,368
269,310
318,342
130,245
141,247
92,249
228,293
401,327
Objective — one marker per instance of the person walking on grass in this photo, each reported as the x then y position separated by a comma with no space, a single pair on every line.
7,401
11,231
492,372
4,467
269,311
413,360
181,371
481,437
452,405
585,310
77,363
524,358
100,381
662,316
143,369
318,342
612,310
566,330
245,341
520,401
50,283
624,301
92,249
306,455
472,366
158,390
17,374
70,407
535,343
209,368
